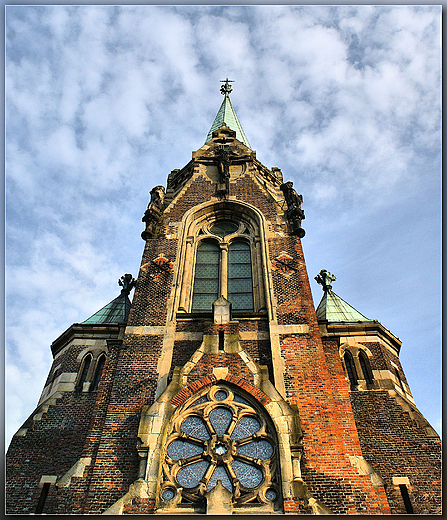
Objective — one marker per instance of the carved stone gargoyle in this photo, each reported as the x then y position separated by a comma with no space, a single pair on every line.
294,213
153,212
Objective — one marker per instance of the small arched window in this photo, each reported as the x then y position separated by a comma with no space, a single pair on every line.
366,369
84,371
98,373
350,369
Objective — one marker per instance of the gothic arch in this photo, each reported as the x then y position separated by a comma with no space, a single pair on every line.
196,226
156,424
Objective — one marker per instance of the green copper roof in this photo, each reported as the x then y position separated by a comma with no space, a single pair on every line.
333,308
117,311
228,116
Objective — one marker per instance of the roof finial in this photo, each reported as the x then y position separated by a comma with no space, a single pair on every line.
227,88
127,282
325,278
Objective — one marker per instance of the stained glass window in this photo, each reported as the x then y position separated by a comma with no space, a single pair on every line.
240,284
189,476
206,279
230,442
183,450
220,419
223,228
195,427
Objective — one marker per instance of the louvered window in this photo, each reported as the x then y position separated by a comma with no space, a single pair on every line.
98,373
350,369
240,284
365,368
84,372
206,280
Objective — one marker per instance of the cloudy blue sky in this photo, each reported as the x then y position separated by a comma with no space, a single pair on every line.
103,102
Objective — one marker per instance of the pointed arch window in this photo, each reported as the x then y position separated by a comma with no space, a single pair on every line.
98,372
350,369
84,371
366,369
223,269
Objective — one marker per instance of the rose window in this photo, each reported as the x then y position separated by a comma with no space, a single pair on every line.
220,436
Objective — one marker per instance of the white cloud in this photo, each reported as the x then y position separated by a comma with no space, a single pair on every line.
103,101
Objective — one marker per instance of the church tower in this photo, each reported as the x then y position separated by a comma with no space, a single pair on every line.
220,389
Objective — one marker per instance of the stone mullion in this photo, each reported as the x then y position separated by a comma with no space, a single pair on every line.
187,276
223,291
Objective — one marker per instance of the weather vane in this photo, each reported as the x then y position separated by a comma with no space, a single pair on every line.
227,88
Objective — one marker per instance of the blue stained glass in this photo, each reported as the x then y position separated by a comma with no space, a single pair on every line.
220,395
270,494
190,476
246,427
257,450
168,494
202,400
220,418
248,475
183,450
240,399
220,474
195,427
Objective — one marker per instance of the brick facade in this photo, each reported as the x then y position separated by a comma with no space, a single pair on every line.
104,450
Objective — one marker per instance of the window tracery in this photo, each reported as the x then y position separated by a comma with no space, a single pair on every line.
220,436
223,266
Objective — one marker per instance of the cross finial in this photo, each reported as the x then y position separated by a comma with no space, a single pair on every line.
227,88
325,278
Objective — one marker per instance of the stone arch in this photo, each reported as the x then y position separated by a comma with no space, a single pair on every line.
155,420
254,230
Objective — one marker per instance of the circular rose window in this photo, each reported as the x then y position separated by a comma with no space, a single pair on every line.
220,436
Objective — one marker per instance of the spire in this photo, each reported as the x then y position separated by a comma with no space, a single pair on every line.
227,115
117,311
333,308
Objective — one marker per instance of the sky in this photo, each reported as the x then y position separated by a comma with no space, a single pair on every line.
102,102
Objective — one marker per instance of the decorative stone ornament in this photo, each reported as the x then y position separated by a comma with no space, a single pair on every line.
153,212
295,213
220,436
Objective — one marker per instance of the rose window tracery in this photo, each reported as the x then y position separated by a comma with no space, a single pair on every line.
220,436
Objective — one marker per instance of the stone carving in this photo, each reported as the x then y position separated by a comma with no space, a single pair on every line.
295,213
153,212
324,278
127,282
223,158
284,264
